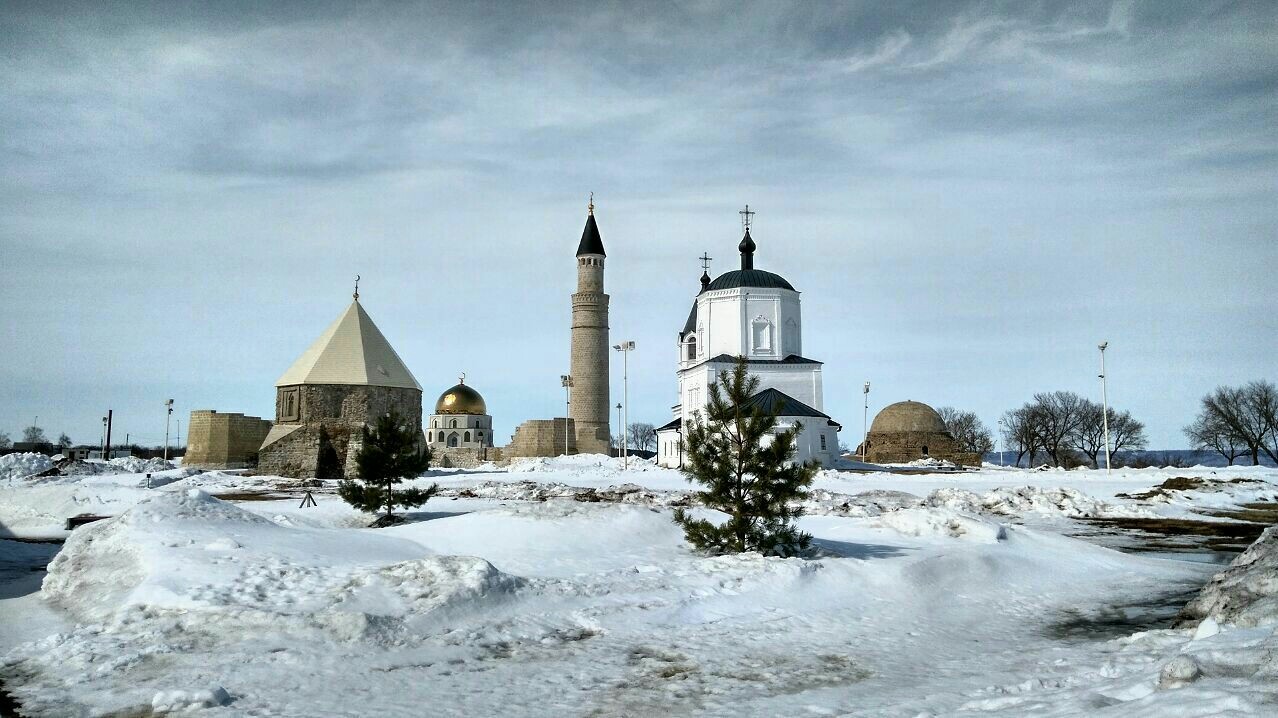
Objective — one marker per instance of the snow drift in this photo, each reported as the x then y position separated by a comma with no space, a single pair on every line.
1246,593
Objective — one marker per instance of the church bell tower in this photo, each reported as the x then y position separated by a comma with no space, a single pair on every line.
589,361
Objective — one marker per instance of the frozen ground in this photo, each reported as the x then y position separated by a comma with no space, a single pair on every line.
560,587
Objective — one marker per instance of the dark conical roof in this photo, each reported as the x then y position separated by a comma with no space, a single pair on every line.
590,241
747,243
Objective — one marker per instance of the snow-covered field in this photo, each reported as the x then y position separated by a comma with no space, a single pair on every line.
561,587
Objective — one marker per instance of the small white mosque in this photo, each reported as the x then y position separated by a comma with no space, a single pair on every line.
460,420
755,314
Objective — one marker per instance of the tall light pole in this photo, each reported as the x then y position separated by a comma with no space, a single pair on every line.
1002,442
625,348
167,416
865,427
566,380
104,423
619,423
1104,404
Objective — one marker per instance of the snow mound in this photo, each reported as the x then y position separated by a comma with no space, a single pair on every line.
1246,593
928,522
16,466
135,465
185,701
1009,501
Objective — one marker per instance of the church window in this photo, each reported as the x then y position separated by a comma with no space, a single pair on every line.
762,335
692,348
823,442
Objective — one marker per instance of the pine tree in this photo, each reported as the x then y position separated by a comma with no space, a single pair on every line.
753,484
390,453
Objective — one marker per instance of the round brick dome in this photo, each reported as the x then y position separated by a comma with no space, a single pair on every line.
908,416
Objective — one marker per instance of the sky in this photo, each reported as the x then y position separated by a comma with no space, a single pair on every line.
969,195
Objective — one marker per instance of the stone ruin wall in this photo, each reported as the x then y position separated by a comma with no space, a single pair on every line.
466,458
542,437
902,447
330,417
223,440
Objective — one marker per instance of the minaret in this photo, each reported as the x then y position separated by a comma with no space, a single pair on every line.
589,360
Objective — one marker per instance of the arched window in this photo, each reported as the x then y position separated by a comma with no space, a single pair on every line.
466,438
452,424
761,334
925,451
452,439
692,348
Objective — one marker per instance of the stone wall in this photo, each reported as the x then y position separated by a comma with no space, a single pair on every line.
466,458
223,440
899,447
326,422
542,437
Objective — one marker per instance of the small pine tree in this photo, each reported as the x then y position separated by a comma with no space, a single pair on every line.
391,452
751,483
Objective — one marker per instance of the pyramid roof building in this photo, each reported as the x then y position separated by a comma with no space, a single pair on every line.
352,351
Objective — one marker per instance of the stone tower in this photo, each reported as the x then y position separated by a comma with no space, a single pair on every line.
589,409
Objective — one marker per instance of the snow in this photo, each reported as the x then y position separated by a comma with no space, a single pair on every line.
562,587
22,464
1246,593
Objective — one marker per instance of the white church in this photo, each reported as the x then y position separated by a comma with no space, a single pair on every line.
755,314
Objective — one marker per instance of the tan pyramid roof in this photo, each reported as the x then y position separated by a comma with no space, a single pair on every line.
351,351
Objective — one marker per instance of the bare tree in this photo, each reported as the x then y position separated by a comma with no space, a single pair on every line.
1208,433
1126,433
5,441
1246,413
63,439
1059,414
1020,432
643,436
33,435
968,430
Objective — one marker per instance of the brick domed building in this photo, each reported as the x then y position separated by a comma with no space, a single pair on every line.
911,430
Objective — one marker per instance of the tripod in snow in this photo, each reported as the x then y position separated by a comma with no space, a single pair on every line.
307,499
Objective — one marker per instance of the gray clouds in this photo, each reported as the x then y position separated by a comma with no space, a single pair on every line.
971,195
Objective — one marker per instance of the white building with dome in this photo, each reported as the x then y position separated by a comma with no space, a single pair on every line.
460,421
755,314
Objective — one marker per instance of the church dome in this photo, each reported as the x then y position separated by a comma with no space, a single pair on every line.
461,399
748,278
908,416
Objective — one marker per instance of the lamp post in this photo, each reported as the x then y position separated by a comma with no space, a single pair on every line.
625,348
167,416
623,431
104,423
1002,443
1104,404
566,380
865,427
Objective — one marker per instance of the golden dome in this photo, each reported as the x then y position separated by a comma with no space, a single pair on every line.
461,399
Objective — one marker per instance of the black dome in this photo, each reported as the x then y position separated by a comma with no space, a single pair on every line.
749,278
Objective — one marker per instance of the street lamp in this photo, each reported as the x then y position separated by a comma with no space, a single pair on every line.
865,427
104,424
1002,442
566,380
619,423
167,416
625,348
1104,404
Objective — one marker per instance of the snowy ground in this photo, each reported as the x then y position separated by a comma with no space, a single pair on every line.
561,587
